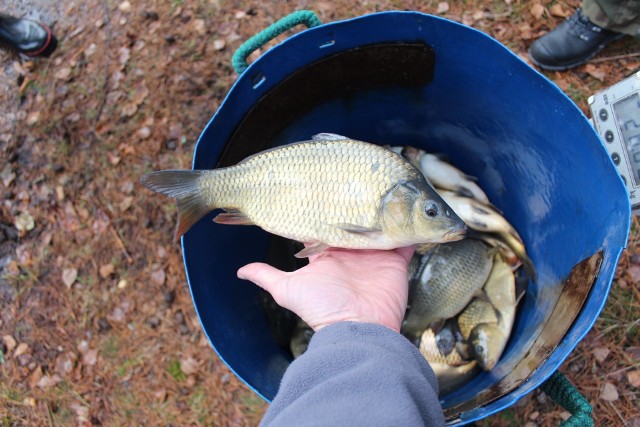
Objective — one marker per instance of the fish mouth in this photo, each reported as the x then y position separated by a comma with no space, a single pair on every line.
456,234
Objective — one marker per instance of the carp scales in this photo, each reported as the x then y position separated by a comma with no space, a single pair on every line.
485,324
327,192
444,282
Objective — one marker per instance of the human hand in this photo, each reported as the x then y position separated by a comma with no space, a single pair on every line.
341,285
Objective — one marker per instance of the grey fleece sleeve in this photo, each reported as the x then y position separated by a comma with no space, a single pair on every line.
357,374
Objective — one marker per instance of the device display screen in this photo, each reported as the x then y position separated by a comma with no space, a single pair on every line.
627,112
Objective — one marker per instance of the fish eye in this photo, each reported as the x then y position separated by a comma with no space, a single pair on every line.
431,210
479,349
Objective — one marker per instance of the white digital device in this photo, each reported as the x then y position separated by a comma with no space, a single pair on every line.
615,113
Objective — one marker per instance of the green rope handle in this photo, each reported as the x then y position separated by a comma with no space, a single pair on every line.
566,395
306,17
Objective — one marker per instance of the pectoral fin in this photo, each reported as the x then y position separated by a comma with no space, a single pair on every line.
233,218
355,228
313,249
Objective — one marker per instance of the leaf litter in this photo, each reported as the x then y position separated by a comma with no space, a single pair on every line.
92,286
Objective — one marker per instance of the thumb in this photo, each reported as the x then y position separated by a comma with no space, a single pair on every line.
263,275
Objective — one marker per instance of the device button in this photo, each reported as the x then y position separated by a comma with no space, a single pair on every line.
616,158
603,115
608,136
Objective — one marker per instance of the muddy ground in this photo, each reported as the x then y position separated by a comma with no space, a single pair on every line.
96,321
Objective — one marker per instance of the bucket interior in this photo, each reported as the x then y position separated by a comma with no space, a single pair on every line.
405,78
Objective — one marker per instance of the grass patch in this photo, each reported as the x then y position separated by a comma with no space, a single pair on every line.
173,367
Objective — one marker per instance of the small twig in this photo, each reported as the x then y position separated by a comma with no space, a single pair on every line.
615,57
623,369
618,412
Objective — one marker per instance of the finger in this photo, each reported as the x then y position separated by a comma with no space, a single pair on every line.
263,275
407,252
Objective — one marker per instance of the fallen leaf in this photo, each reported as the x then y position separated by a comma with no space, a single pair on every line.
9,342
35,376
23,348
144,132
90,357
63,73
69,276
7,175
633,352
49,381
129,109
82,414
443,7
24,222
634,378
158,277
558,10
161,394
537,10
595,72
106,270
634,273
601,353
478,15
33,118
199,26
189,365
124,53
101,222
139,95
64,363
126,203
125,6
609,392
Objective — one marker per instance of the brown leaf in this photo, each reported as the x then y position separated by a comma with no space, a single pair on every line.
199,26
158,277
69,276
124,54
144,132
595,72
129,109
537,10
35,376
49,381
443,7
101,223
125,6
9,342
634,273
23,348
634,378
558,10
609,392
601,353
90,357
106,270
189,365
63,73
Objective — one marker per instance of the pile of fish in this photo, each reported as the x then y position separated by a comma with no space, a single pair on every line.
337,192
462,295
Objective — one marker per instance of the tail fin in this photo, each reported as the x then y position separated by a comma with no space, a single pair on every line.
183,186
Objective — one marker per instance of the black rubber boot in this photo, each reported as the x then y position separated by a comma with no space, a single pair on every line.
571,43
26,37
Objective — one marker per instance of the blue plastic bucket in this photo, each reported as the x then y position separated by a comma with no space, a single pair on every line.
406,78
